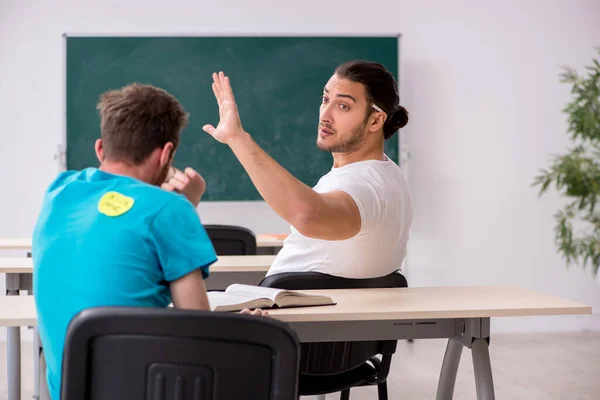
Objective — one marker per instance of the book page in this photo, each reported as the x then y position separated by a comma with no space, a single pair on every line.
254,292
250,296
221,301
294,299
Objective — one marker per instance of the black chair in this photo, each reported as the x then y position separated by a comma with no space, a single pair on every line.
123,353
230,240
338,366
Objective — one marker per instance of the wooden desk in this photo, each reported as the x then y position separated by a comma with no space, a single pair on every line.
263,240
460,314
227,270
380,309
15,244
270,240
249,270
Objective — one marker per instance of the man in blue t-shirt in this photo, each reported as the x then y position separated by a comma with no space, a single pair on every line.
112,236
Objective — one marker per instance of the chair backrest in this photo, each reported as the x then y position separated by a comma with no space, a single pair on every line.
230,240
316,280
128,353
336,357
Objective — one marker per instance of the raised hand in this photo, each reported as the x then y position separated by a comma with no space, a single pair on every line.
229,126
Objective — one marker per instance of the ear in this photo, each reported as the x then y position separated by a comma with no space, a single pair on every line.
99,150
166,154
376,121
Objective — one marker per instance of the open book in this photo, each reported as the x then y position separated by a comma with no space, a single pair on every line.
237,297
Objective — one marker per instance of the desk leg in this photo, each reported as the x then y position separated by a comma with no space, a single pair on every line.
483,369
28,285
36,364
13,359
475,335
449,370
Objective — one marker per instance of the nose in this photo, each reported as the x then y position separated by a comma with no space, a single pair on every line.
325,114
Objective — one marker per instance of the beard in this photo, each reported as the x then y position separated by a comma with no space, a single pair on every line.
348,144
162,176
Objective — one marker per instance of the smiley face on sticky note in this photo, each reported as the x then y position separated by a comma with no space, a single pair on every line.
113,204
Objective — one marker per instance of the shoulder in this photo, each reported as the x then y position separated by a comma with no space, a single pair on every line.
66,177
174,211
93,184
382,180
363,174
384,174
155,200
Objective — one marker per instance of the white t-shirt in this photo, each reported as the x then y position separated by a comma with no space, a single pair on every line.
380,191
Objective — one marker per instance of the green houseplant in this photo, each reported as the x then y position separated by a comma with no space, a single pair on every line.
576,174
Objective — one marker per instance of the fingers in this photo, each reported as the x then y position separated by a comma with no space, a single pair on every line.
179,175
257,312
179,181
195,177
217,88
171,173
224,93
208,129
260,313
222,87
190,173
227,90
168,187
217,93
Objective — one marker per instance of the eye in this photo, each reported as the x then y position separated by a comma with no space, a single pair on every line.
324,100
344,107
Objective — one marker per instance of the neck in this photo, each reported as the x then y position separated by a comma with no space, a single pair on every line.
120,168
364,153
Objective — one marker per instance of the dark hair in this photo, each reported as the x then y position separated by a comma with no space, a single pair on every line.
136,120
381,88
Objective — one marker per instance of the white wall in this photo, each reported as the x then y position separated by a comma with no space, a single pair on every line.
480,82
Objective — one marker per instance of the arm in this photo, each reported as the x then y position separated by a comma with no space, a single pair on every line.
330,216
185,253
189,292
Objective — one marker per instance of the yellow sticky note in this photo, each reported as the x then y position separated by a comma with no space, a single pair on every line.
114,204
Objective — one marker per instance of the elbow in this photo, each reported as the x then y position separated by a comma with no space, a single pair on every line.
306,222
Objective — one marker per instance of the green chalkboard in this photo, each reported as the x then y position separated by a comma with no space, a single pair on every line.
277,81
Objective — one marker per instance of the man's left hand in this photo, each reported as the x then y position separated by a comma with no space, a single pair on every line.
258,312
188,182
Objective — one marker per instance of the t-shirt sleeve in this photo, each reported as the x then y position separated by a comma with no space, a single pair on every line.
181,241
368,198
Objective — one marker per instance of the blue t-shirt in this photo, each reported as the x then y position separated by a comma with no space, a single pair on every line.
108,240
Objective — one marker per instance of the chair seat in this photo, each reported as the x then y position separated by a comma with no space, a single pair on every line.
322,384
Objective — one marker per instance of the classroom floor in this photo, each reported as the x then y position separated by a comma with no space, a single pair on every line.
525,366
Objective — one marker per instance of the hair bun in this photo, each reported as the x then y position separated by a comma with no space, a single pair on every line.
399,117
